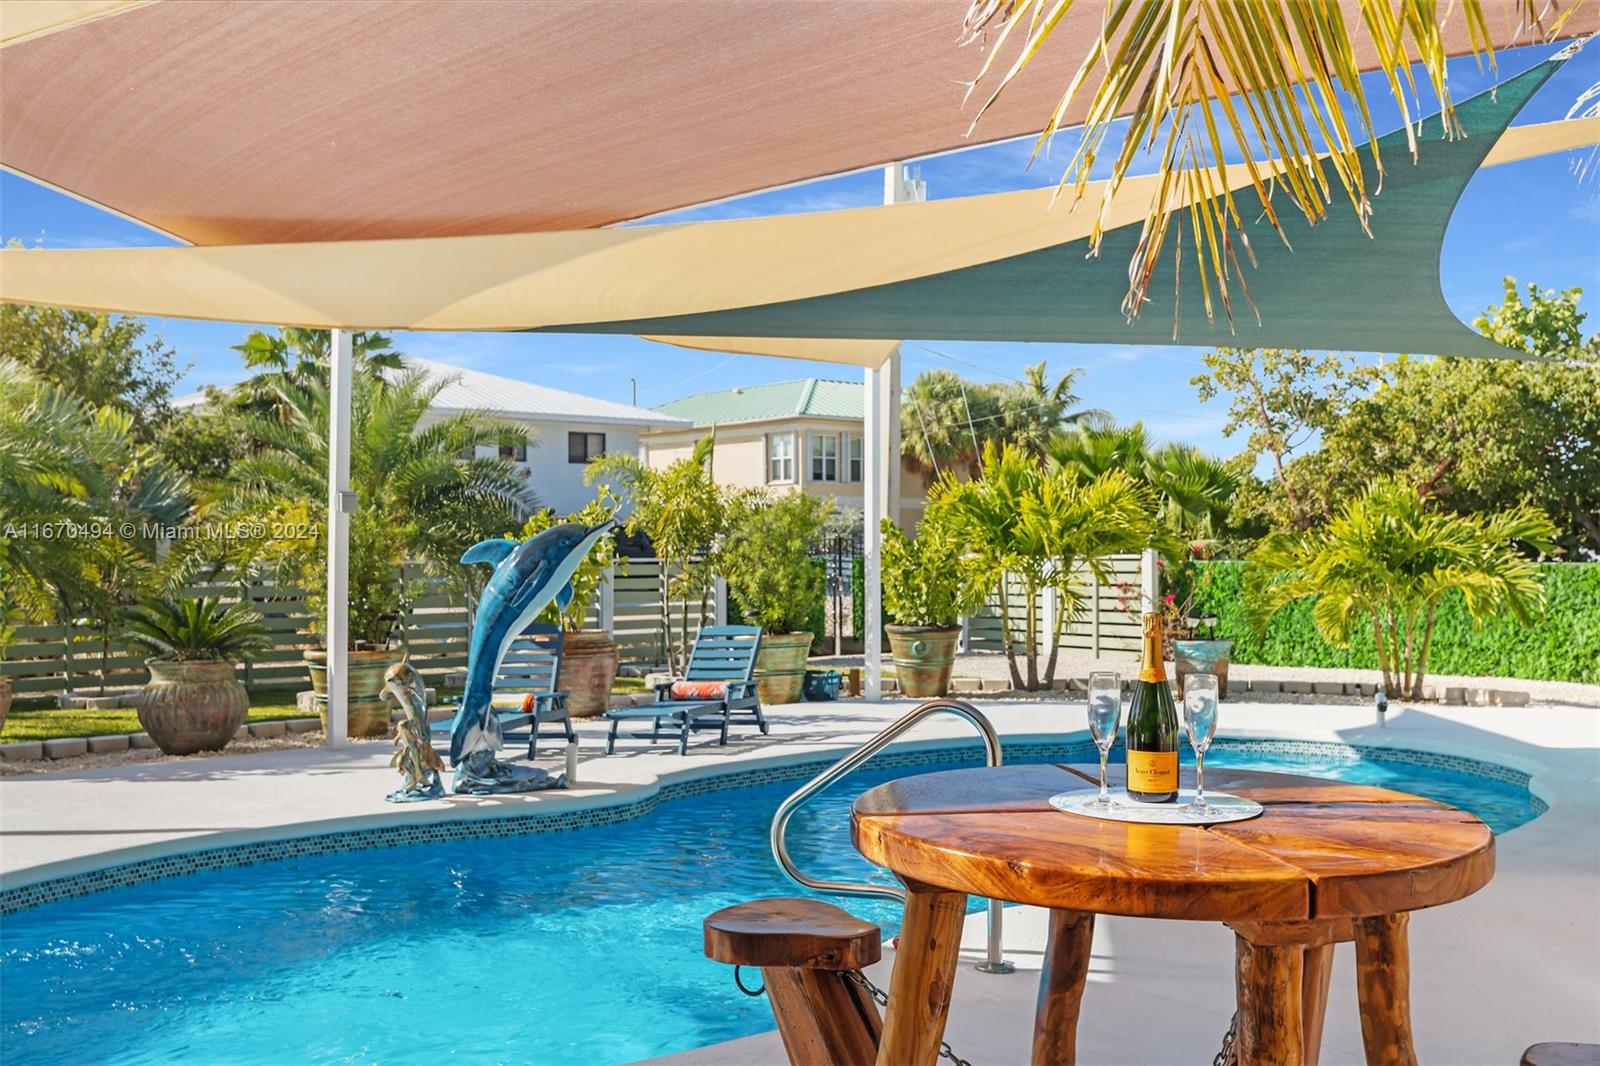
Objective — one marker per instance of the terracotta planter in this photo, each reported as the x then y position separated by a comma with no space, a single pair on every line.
781,666
588,666
368,715
192,706
923,658
1202,657
5,699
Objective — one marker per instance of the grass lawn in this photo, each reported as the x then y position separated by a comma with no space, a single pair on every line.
46,723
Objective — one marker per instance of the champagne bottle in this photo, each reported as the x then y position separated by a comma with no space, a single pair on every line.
1152,739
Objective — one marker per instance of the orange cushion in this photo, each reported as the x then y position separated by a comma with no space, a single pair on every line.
698,690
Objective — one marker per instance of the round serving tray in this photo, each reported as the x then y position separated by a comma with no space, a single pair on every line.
1226,808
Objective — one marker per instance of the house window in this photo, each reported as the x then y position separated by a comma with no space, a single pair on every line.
582,447
468,453
517,453
780,457
852,457
824,458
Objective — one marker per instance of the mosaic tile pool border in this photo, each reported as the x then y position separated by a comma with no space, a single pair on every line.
162,867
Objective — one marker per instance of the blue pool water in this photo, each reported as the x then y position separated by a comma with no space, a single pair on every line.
580,947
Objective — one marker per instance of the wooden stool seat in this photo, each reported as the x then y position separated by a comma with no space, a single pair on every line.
1562,1055
807,934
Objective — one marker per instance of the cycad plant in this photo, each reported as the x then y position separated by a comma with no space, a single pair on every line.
1388,559
1040,527
196,629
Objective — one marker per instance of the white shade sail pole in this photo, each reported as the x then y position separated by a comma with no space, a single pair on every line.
872,511
341,504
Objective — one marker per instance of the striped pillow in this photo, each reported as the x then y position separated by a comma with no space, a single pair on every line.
698,690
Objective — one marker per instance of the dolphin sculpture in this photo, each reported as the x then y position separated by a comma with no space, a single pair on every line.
528,576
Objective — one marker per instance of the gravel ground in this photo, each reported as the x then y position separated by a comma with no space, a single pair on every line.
992,666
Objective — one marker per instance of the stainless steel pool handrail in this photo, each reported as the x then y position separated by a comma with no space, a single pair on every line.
993,963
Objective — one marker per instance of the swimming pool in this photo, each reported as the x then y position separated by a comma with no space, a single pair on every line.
576,947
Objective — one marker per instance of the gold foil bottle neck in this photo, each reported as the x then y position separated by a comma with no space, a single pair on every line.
1154,667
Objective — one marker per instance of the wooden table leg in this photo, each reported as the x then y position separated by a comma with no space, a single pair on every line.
1315,969
1270,1018
1383,986
1066,967
924,973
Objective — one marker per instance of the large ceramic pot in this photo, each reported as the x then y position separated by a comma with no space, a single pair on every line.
781,666
192,706
588,667
367,715
923,658
5,699
1202,657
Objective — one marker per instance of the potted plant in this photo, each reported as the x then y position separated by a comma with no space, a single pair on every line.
377,600
777,586
1191,633
924,586
588,656
192,702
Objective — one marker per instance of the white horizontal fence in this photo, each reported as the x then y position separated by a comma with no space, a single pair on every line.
47,659
1102,627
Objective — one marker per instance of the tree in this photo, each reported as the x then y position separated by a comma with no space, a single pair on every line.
688,518
1188,80
1038,527
1481,435
769,568
1285,398
422,494
946,421
104,360
1387,559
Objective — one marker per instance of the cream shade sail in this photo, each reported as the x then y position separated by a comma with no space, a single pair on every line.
257,121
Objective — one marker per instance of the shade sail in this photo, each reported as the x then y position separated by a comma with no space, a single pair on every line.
257,121
1002,267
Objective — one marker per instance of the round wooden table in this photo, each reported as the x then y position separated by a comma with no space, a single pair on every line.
1326,862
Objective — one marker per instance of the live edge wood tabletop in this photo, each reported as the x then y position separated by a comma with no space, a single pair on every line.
1326,862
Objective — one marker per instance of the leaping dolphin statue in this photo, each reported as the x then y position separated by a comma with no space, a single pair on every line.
528,576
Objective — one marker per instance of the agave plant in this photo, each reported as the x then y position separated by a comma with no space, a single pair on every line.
196,629
1387,560
1278,78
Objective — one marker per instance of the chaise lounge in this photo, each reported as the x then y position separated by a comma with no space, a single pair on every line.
715,686
525,693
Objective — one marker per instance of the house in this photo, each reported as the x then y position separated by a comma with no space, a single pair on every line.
567,429
794,436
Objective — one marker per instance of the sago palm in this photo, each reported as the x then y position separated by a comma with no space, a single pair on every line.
1388,559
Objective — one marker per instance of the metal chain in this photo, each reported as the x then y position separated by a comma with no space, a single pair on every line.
882,998
1229,1054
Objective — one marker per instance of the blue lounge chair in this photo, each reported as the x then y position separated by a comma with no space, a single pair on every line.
720,666
525,693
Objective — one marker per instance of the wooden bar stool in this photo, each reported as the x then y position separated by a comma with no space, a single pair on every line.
806,950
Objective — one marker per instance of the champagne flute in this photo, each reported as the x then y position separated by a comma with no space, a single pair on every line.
1105,708
1200,722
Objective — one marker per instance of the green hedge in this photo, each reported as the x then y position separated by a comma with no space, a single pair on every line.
1564,645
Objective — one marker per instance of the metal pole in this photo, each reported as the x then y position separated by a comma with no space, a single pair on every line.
872,510
341,505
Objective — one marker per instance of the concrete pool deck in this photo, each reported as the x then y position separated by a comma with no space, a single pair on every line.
1517,963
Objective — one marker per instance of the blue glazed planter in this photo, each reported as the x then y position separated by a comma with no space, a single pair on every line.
1203,657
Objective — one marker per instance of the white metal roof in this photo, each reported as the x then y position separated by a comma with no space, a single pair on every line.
508,397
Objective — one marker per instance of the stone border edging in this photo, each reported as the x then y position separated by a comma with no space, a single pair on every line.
72,747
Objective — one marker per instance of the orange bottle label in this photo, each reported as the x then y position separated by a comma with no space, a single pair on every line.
1152,771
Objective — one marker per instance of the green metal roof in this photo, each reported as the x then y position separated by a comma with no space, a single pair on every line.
805,398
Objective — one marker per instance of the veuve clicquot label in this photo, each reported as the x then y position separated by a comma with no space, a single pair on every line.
1152,741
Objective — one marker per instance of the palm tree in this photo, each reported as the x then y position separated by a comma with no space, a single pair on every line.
946,421
1170,70
1388,559
1038,527
423,494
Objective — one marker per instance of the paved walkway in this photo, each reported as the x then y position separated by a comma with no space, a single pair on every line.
1517,963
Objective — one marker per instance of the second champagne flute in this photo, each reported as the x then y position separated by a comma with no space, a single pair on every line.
1105,708
1200,722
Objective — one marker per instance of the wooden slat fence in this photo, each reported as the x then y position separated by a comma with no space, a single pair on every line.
1102,628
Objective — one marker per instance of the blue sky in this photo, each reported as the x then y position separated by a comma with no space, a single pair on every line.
1533,220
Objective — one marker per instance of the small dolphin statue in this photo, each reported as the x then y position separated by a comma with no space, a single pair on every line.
528,576
414,756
